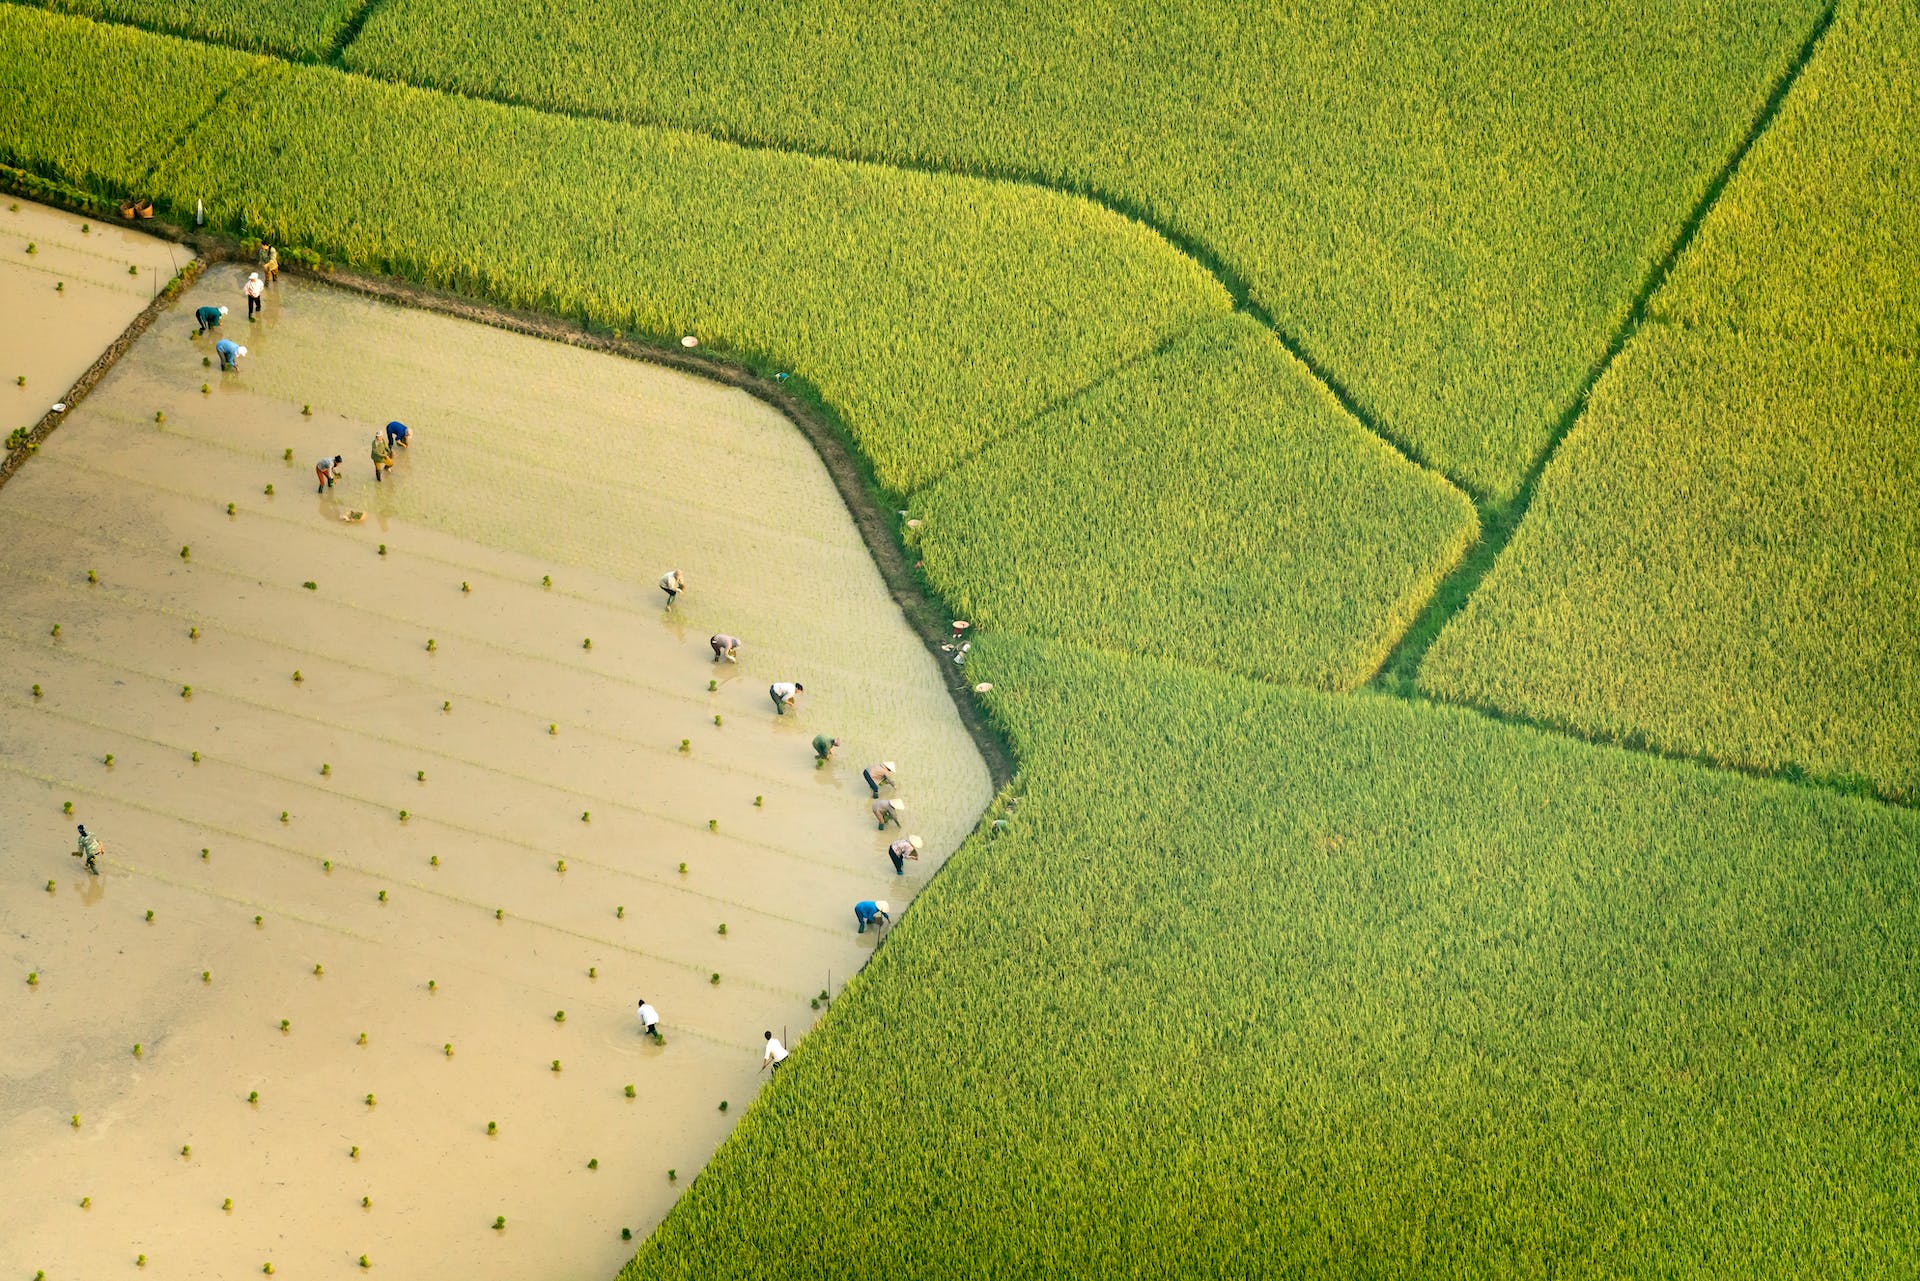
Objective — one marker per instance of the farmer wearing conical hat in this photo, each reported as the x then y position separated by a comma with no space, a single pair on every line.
888,811
230,353
878,774
907,847
209,317
872,913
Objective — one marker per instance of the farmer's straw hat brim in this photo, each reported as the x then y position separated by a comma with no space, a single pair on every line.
884,906
889,766
914,841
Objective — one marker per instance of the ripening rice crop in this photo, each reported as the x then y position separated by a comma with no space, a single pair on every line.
95,106
931,313
1451,205
1724,558
1212,502
301,28
1495,1002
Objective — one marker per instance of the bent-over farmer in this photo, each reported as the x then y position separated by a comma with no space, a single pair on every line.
673,582
878,774
209,317
725,646
270,262
783,693
382,456
871,912
649,1020
776,1053
328,470
230,353
907,847
399,435
89,850
888,811
823,747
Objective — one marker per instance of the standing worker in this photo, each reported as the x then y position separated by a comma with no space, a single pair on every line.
270,262
89,850
209,317
725,646
776,1053
888,811
823,747
878,774
907,847
328,470
649,1020
783,693
382,455
253,289
230,353
872,913
673,582
399,435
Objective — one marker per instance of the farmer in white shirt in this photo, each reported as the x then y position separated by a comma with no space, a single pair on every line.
673,582
776,1053
253,289
783,693
907,847
878,774
888,811
649,1019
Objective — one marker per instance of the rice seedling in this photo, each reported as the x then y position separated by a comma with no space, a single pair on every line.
311,586
353,1153
559,1016
195,758
500,1223
226,1203
107,759
86,1203
715,980
587,643
325,769
33,978
136,1049
149,916
186,553
363,1261
560,865
546,580
306,411
371,1102
499,913
36,694
66,807
420,776
493,1127
258,920
620,912
56,630
193,633
206,976
319,970
432,645
253,1097
186,1149
630,1092
433,985
593,1163
186,691
286,1025
229,509
586,816
447,1049
723,928
269,490
556,1065
593,971
205,854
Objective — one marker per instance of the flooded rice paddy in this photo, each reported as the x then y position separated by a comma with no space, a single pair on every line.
340,939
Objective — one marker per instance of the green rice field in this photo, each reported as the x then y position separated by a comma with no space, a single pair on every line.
1199,355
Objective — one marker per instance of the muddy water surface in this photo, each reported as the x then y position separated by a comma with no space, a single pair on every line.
64,302
284,883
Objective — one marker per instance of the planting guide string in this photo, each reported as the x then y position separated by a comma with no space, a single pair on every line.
428,821
71,654
141,550
378,877
650,747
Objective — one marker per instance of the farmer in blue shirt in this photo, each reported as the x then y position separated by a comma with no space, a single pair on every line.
230,353
399,435
209,317
870,913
